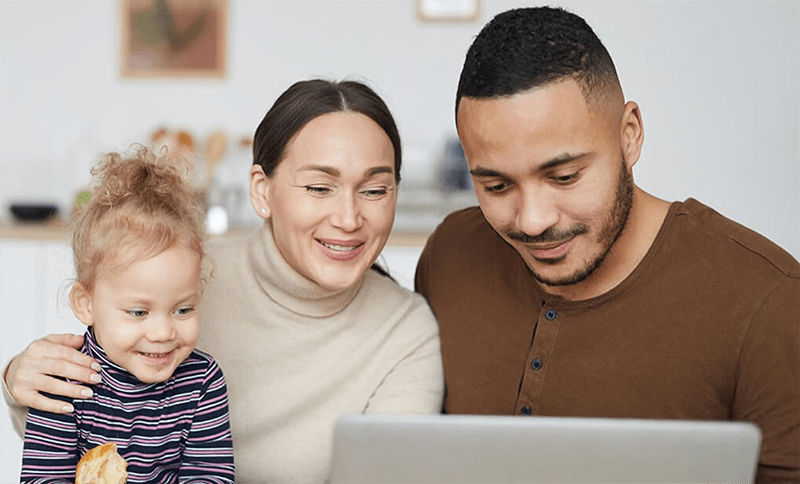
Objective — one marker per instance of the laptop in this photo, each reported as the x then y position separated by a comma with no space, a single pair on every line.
443,449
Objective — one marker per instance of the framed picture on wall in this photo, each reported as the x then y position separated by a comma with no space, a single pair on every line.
448,10
173,38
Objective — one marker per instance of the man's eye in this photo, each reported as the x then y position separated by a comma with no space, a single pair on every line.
495,187
137,313
566,179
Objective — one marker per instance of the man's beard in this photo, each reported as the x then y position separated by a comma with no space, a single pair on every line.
609,233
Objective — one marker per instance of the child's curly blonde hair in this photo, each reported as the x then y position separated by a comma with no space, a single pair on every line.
141,205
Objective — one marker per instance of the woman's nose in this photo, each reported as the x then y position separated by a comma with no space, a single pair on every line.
347,212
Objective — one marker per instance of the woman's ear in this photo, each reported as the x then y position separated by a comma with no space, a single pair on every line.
632,133
259,191
81,301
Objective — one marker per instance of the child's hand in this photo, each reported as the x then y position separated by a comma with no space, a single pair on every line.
35,369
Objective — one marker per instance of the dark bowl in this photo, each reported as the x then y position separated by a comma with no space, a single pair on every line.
33,212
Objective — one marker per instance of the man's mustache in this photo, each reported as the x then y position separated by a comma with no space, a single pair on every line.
551,234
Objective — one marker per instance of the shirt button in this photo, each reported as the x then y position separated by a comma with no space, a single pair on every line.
551,314
526,410
536,364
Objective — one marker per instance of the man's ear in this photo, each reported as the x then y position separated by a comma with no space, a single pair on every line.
81,301
259,191
632,133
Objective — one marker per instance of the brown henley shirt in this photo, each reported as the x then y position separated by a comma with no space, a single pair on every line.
707,327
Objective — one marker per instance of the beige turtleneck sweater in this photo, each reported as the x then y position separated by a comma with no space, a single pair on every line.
296,356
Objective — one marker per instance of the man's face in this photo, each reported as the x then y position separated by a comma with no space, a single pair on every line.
550,177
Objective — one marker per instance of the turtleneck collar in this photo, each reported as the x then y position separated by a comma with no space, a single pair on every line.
113,375
287,287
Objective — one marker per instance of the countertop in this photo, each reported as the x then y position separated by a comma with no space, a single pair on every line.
419,212
57,229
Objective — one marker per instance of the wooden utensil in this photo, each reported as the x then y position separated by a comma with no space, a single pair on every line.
215,147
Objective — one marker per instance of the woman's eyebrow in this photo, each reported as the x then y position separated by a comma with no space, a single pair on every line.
329,170
378,170
324,169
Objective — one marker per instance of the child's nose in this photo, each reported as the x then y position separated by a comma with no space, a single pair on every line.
161,329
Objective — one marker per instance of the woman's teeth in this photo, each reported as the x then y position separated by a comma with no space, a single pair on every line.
340,248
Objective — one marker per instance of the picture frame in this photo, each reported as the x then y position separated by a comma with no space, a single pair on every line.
448,10
173,38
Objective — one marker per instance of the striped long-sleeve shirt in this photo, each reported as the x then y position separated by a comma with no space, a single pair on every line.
172,431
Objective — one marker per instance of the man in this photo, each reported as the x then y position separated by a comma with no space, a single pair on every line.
570,291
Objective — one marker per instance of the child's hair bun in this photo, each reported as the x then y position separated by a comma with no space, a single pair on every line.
141,204
143,175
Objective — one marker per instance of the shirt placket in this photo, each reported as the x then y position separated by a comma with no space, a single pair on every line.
539,357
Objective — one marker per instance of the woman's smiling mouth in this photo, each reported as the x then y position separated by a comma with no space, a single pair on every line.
341,250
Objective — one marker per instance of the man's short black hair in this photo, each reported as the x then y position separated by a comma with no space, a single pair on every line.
529,47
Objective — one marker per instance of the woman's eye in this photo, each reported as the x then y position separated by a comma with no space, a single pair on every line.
137,313
317,190
375,192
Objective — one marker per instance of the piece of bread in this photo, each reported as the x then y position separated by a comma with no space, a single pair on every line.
102,465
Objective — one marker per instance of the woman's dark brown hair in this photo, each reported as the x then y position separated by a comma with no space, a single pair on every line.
304,101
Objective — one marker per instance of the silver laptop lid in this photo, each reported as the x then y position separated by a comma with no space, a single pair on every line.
492,449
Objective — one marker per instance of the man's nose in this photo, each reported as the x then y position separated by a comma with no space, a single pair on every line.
536,212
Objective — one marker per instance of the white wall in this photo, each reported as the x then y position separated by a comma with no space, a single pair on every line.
717,83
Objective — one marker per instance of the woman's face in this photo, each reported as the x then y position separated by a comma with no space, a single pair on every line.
332,198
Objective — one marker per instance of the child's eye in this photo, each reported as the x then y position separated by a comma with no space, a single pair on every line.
184,311
137,313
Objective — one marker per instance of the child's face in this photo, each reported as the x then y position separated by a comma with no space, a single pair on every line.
145,315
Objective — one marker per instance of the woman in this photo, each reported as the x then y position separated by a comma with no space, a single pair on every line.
304,329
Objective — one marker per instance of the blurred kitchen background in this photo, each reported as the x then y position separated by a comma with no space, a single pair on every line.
717,83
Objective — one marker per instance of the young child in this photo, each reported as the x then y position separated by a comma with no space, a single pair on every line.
138,251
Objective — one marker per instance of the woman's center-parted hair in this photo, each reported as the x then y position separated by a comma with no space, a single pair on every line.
141,205
306,100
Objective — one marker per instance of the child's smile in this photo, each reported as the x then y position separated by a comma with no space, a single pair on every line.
145,315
